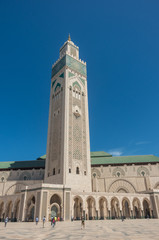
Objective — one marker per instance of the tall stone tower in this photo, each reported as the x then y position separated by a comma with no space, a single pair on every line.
68,146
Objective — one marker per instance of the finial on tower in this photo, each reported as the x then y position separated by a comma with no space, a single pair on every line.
69,38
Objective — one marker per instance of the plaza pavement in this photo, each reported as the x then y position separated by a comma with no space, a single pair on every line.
109,229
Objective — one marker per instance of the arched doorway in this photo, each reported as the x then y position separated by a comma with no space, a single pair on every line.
1,211
78,208
8,212
115,209
30,209
136,208
126,208
55,206
91,211
16,210
146,208
103,210
54,211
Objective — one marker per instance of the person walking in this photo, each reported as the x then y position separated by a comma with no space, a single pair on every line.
44,219
82,223
37,220
53,222
6,221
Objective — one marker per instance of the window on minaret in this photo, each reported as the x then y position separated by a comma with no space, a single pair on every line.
69,170
53,171
77,170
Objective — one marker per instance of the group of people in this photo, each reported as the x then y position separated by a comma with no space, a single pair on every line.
53,221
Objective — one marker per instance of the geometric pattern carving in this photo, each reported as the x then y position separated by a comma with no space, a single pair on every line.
142,171
118,172
71,63
95,172
3,177
126,186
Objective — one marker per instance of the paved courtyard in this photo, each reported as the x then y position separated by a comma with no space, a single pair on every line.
114,229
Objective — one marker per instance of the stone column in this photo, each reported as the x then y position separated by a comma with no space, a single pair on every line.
132,214
96,214
23,203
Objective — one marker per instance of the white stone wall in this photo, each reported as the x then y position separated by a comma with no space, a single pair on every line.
128,177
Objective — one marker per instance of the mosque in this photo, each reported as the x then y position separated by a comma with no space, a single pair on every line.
70,181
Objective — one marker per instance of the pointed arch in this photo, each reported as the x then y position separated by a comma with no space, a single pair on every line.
121,183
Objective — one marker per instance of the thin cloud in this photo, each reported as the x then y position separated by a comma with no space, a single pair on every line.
116,152
142,142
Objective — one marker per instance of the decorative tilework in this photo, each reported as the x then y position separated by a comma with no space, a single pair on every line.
76,83
82,80
71,63
70,74
76,65
58,66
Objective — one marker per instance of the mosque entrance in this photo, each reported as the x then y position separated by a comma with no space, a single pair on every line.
54,211
55,206
31,216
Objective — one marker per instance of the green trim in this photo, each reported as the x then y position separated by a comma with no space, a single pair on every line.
76,83
22,164
76,65
53,83
71,74
58,66
57,85
62,75
124,160
82,80
100,154
70,62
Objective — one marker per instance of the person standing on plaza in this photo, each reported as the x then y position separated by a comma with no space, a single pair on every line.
6,220
44,219
37,220
51,219
55,219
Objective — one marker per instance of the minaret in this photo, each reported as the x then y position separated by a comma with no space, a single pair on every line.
68,146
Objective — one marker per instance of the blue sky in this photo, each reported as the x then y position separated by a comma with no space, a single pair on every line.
118,40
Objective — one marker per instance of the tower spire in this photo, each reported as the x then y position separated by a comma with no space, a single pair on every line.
69,38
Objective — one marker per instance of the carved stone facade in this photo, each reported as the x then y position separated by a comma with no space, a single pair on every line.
76,184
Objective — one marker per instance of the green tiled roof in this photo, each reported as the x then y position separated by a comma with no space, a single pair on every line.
42,157
22,164
97,158
124,160
100,154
